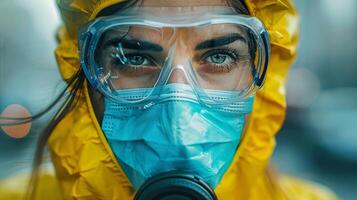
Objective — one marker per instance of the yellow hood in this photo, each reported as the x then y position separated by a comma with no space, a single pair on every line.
85,165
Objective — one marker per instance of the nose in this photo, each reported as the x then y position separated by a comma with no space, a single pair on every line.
178,75
180,63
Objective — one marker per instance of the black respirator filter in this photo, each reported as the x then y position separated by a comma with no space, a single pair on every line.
175,186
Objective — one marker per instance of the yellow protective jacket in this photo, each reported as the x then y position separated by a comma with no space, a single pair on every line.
86,168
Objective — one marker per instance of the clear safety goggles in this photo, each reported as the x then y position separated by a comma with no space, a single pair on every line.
208,51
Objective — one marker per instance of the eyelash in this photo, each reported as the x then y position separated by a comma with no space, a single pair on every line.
129,67
212,67
209,67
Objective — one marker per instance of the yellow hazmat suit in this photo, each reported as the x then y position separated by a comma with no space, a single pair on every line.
86,167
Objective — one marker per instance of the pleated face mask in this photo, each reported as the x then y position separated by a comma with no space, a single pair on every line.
175,134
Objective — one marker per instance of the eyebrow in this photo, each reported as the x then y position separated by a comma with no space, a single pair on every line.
220,41
135,44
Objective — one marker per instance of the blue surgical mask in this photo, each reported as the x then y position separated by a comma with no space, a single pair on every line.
176,133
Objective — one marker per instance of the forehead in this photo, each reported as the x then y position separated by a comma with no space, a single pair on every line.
190,36
183,3
176,10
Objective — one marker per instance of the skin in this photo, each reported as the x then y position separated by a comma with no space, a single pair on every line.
184,52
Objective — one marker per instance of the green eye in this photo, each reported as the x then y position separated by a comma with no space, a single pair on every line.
133,59
220,57
137,60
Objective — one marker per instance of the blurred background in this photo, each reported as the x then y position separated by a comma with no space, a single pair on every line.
317,142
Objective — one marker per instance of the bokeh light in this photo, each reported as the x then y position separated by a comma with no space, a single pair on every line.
303,87
16,111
